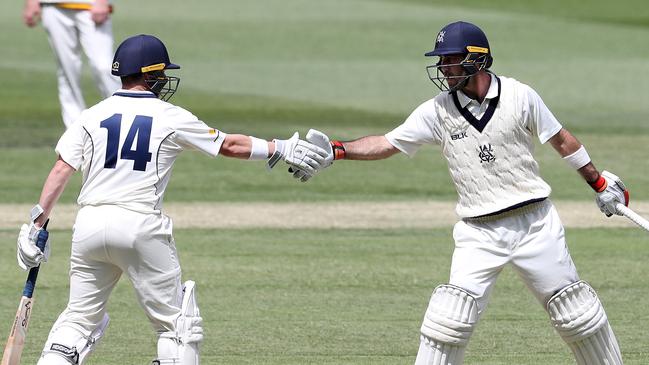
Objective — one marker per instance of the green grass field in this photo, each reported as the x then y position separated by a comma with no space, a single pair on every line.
353,297
349,68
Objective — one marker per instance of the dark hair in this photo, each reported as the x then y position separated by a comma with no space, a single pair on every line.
132,79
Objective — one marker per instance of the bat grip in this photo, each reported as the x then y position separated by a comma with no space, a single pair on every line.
633,216
30,284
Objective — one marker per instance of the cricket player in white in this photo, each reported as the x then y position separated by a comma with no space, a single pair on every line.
485,125
126,146
72,26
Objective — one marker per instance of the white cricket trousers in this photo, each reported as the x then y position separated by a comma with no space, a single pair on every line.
69,31
108,241
532,241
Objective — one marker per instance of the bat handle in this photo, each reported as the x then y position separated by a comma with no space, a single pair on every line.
30,284
633,216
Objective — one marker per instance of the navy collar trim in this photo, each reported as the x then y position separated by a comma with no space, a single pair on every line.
481,123
134,94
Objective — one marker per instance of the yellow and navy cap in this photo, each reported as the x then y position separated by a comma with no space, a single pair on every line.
141,53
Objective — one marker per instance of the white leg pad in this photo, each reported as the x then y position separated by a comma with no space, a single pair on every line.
450,319
182,346
579,317
67,345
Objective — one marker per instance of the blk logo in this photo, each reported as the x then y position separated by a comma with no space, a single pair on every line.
486,153
458,136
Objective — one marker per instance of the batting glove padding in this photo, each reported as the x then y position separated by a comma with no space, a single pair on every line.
300,155
320,141
27,254
614,193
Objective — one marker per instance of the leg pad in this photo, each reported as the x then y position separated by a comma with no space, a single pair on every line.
449,321
579,317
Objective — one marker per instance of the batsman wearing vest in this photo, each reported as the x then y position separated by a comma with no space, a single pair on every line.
486,125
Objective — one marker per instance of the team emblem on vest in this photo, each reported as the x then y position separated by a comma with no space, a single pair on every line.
486,153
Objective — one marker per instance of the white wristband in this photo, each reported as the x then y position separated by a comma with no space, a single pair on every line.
578,159
259,149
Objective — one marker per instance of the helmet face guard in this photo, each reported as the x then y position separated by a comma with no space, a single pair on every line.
163,86
472,63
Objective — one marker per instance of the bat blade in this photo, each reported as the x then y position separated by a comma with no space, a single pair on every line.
16,340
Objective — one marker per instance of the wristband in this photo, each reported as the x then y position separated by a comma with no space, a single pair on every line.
338,150
578,159
259,149
599,185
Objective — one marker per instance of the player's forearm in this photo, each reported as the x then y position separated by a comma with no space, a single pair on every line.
589,173
569,147
53,188
565,143
241,146
369,148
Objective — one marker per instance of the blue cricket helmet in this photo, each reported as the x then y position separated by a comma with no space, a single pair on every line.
461,39
139,54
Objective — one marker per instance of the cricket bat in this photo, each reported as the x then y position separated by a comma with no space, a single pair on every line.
633,216
16,340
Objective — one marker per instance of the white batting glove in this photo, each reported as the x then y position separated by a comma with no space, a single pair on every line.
298,154
615,192
27,254
320,140
190,329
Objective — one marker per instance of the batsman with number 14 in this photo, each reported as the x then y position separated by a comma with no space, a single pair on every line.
120,228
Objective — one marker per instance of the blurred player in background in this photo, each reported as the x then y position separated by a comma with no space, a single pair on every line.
486,126
125,147
71,26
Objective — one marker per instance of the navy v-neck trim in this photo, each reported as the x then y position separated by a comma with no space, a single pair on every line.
135,95
481,123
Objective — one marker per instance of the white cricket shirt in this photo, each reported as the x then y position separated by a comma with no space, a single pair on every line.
488,146
126,146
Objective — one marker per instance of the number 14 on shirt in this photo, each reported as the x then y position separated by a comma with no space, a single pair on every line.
142,128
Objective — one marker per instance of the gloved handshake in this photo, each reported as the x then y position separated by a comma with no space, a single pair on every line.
304,157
